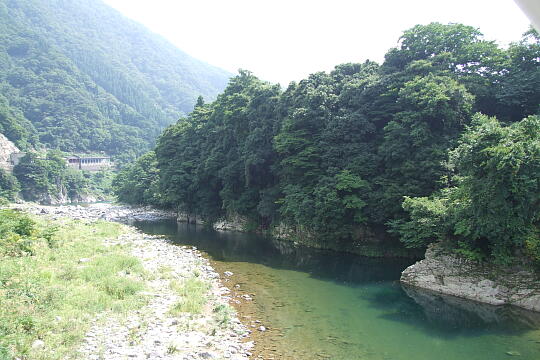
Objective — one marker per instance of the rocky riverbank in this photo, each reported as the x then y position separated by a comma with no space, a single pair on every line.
364,242
159,330
98,211
444,272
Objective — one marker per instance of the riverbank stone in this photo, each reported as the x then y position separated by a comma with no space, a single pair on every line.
447,273
153,332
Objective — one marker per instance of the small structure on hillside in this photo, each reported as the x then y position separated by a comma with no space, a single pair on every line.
89,163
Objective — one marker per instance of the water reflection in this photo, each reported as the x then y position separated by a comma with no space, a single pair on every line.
233,246
377,282
458,314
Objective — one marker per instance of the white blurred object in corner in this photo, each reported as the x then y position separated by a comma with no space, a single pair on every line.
531,8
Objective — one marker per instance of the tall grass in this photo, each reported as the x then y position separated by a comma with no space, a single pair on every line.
192,292
55,278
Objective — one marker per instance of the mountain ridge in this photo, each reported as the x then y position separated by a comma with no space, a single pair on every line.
90,79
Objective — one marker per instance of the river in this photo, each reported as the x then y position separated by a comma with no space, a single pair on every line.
326,305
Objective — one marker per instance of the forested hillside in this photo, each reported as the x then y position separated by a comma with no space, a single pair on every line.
334,156
78,76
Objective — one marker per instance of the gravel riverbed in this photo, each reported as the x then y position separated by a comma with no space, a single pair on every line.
153,332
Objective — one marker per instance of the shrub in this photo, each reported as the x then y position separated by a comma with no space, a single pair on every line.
426,224
17,232
532,247
120,288
493,206
9,186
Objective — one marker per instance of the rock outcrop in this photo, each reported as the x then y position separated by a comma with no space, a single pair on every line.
188,218
6,149
364,241
61,197
231,223
445,272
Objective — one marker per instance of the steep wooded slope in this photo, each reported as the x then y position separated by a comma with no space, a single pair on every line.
85,78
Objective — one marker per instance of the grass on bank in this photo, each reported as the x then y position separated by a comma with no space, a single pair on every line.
223,314
54,278
192,292
194,301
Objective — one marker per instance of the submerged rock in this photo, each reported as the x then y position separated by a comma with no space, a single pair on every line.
446,273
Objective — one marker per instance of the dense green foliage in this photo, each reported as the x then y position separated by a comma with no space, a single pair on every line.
138,183
491,206
46,178
49,179
339,152
9,186
78,76
219,159
15,126
17,233
99,183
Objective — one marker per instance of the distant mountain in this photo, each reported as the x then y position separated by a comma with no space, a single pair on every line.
85,78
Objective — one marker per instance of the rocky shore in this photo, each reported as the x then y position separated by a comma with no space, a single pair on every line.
154,331
99,211
444,272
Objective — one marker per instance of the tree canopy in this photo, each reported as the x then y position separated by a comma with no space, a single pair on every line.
368,146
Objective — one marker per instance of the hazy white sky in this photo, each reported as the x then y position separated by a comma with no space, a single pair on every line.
284,40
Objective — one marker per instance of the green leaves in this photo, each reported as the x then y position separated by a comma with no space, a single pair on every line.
138,183
41,177
9,186
494,207
369,146
218,160
500,168
427,222
440,100
455,47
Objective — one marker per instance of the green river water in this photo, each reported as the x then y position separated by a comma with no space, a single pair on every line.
327,305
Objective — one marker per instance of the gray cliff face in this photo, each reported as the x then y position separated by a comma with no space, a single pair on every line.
446,273
364,242
233,222
189,218
6,149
